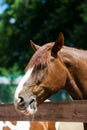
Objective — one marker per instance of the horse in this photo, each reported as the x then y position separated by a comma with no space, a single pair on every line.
26,125
52,67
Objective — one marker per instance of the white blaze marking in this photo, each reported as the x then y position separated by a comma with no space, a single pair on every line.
24,79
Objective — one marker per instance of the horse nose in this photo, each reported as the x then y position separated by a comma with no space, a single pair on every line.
21,103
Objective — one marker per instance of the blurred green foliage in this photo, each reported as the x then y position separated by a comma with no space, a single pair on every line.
40,21
7,93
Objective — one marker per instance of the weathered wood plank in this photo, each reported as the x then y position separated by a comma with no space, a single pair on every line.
68,111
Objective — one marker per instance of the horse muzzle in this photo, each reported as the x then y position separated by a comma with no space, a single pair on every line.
28,107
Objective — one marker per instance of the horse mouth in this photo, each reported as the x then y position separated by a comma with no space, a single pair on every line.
31,108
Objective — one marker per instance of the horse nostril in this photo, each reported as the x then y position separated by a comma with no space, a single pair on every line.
31,101
20,99
21,103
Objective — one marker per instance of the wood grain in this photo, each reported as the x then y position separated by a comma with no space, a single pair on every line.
68,111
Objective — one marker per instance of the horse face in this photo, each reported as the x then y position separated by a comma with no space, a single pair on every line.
45,75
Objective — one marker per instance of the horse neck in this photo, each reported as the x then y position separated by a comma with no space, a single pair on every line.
72,88
74,61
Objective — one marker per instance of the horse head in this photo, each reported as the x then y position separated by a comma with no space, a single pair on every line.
45,75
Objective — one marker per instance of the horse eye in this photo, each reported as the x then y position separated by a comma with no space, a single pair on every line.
38,82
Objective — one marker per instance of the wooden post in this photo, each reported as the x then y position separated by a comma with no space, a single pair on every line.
85,126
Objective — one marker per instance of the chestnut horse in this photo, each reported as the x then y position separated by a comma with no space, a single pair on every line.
26,125
52,67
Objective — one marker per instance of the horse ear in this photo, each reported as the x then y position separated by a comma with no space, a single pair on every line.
34,46
57,45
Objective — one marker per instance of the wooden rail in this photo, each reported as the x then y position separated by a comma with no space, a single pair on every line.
68,111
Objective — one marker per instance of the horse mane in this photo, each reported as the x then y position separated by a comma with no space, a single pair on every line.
78,53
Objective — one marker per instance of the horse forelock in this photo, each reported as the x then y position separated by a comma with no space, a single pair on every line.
40,58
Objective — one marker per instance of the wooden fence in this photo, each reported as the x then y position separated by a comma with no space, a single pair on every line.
68,111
